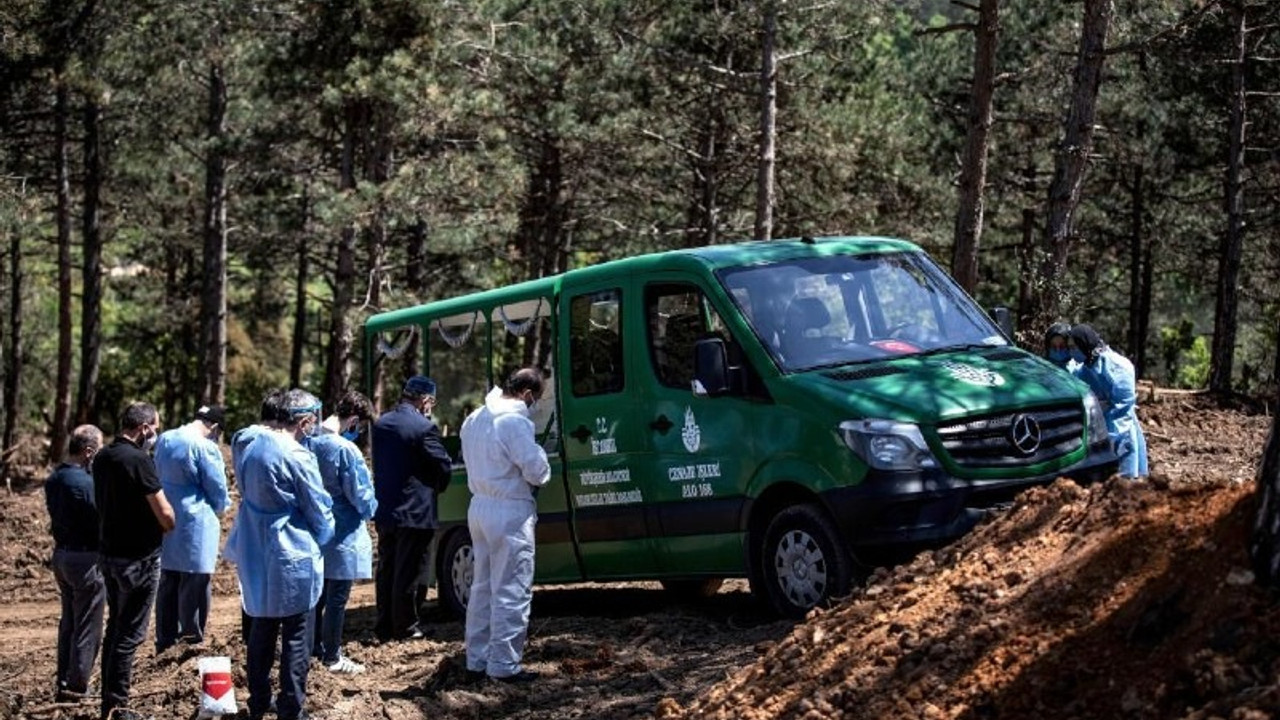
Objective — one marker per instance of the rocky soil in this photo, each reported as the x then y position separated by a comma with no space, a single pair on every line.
1119,600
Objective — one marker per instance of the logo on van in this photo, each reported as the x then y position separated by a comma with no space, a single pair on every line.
973,375
690,433
1025,434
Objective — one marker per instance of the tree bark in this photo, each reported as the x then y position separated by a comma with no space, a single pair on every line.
768,124
62,379
1222,355
15,365
973,168
213,292
91,267
299,338
337,366
1071,161
1137,243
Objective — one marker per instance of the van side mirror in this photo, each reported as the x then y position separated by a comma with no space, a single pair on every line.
1003,318
710,367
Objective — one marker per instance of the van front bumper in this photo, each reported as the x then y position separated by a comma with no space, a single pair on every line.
892,513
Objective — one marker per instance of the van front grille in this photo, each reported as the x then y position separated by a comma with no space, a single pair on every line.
1014,439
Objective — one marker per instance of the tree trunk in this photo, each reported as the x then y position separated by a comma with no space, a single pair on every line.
704,206
1137,242
62,379
768,124
91,267
1071,161
337,367
14,366
415,283
1144,308
213,291
1026,257
1224,317
973,168
299,339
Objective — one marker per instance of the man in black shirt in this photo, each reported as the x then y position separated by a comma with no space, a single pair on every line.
73,522
134,517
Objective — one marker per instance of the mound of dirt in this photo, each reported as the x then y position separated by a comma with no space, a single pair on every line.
1117,600
1122,599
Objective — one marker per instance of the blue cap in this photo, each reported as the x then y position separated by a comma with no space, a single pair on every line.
419,386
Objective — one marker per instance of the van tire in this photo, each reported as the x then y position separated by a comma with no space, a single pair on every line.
692,589
456,568
803,561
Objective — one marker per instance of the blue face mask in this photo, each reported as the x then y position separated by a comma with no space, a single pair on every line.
351,434
1059,356
1077,355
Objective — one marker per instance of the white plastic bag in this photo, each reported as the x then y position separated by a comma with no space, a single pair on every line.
217,694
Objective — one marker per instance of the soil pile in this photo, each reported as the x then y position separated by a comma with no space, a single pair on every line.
1118,600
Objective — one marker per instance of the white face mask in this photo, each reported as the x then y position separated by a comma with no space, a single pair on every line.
149,442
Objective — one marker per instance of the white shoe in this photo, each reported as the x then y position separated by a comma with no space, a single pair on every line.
346,666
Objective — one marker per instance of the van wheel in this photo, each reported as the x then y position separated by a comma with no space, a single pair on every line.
457,567
692,589
804,562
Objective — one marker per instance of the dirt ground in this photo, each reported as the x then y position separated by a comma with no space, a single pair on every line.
1120,600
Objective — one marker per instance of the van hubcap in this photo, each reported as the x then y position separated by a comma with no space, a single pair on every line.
802,568
460,571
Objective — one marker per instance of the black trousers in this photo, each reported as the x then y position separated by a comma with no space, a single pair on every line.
182,607
400,552
131,591
294,634
80,626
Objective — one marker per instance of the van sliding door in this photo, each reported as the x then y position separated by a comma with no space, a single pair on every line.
601,442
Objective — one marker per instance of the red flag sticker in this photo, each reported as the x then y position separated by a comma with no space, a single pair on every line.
217,684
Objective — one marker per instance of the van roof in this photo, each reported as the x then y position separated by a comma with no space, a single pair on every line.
711,257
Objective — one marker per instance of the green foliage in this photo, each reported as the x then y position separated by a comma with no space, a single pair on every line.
1193,369
468,145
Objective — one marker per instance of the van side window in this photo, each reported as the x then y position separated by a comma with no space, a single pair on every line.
595,343
677,317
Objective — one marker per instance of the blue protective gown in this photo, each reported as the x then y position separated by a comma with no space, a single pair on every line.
194,478
349,554
285,516
1112,380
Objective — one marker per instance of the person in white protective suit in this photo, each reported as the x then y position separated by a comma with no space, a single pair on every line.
505,466
285,516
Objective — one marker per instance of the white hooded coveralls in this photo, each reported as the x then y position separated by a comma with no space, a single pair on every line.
504,465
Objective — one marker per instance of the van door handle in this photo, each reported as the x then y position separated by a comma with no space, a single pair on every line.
580,433
662,424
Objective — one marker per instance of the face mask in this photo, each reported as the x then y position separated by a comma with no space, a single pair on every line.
1059,357
1077,355
351,434
149,442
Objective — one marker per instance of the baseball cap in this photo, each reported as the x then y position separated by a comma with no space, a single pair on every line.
211,414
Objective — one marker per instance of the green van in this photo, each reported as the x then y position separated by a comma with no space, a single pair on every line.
793,412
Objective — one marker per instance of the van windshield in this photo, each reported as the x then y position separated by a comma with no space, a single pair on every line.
820,312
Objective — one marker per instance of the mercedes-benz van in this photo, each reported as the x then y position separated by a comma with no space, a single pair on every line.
792,412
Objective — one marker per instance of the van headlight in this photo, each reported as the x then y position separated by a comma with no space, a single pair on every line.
1097,421
887,445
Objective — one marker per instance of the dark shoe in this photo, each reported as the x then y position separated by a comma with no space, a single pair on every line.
71,696
524,676
471,677
121,713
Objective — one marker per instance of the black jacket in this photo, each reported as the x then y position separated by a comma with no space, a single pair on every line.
410,466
